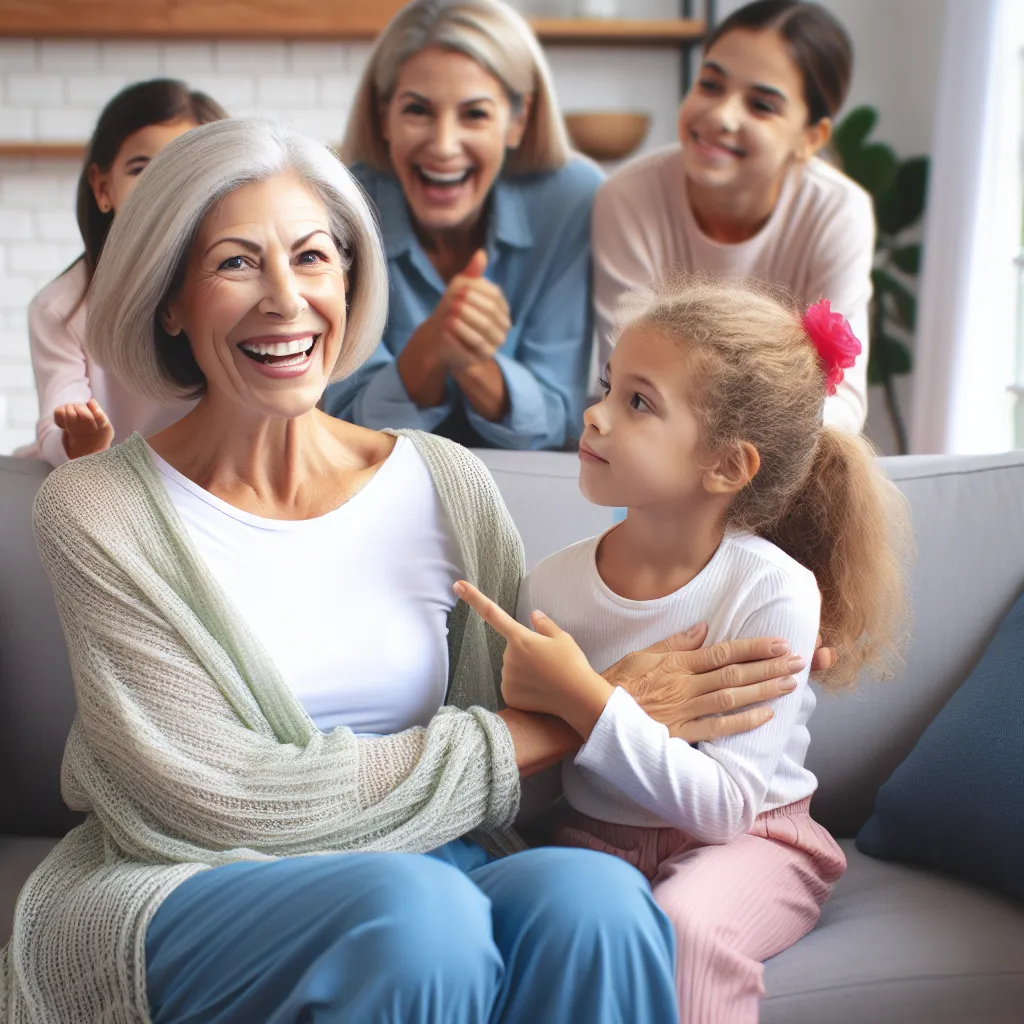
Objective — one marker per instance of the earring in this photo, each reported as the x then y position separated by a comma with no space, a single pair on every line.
104,207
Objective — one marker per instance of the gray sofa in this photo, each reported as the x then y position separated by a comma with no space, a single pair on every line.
894,944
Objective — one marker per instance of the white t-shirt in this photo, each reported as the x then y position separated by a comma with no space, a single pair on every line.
353,605
630,771
818,243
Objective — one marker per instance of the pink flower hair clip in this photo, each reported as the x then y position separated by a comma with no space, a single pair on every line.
837,345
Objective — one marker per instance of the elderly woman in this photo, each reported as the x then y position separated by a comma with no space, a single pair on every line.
457,138
270,663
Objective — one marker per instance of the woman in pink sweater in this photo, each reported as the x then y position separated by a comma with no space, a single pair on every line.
744,195
81,409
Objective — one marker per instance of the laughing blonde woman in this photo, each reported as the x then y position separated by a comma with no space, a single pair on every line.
456,136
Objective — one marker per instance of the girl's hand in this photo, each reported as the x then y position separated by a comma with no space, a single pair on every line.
681,684
85,428
544,672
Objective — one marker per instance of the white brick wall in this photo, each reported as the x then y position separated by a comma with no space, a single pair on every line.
54,90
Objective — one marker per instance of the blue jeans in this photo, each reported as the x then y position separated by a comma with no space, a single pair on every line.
452,937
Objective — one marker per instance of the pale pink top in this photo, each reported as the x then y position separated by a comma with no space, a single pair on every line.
818,243
65,372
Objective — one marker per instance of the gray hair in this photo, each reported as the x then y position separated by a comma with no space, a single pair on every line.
144,258
499,40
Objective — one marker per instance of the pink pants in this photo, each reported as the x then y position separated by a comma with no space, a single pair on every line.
732,906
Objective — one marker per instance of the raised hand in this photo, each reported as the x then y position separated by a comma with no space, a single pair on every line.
85,428
473,316
467,327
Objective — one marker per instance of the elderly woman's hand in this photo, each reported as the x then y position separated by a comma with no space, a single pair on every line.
698,692
685,688
85,428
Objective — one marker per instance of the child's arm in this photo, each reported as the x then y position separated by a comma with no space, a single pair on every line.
61,372
713,792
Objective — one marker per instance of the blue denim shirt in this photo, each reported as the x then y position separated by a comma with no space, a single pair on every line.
538,250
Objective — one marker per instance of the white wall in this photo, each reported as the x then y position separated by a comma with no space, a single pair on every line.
54,91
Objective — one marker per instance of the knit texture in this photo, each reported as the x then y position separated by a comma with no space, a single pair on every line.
189,751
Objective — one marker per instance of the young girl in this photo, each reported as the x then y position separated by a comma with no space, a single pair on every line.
743,194
742,506
81,409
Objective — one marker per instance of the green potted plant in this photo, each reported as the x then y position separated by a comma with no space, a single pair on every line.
898,189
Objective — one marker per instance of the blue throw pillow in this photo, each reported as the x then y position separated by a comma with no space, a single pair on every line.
957,802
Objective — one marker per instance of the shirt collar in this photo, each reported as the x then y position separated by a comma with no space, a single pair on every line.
510,222
509,226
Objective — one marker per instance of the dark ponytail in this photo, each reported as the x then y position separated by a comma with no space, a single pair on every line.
818,43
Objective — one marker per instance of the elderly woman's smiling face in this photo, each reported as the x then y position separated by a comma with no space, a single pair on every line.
263,298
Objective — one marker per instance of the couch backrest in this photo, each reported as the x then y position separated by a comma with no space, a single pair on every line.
37,704
968,515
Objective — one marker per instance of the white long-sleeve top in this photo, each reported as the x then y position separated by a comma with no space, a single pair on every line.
66,373
630,771
818,243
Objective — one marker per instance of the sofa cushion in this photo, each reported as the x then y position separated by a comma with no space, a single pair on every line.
37,702
900,945
955,802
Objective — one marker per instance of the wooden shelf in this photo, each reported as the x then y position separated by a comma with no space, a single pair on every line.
613,32
44,150
286,19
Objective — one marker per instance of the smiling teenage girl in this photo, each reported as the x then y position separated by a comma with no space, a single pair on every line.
457,138
744,195
81,409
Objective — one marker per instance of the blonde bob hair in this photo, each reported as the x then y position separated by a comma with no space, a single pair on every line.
146,253
493,35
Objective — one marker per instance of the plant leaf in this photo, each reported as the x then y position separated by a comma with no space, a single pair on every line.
888,357
903,203
851,133
908,259
904,300
876,169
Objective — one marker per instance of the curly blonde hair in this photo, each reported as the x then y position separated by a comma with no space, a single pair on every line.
819,493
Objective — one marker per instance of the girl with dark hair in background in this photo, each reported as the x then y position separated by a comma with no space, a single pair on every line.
81,409
744,195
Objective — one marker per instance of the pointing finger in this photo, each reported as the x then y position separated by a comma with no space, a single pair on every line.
491,613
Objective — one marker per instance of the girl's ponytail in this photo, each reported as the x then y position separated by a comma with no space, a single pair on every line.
848,524
764,369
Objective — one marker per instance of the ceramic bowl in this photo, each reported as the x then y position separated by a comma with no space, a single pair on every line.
607,134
